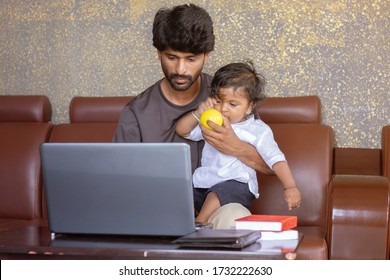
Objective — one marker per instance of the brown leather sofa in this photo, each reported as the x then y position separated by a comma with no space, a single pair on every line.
308,145
370,170
338,214
386,165
386,151
331,205
24,125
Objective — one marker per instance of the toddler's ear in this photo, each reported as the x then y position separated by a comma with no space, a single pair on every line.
250,108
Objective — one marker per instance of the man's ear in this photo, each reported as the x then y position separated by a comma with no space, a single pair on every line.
206,57
159,55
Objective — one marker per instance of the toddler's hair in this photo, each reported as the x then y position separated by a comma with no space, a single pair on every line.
239,75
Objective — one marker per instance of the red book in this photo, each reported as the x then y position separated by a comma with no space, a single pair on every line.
267,222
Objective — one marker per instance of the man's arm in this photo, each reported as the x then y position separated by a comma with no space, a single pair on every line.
226,141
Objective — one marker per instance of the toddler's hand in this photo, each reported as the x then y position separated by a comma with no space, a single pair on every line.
203,106
292,197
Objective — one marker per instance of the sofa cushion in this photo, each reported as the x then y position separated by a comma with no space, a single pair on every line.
83,132
313,245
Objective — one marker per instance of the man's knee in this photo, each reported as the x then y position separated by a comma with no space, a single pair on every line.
224,217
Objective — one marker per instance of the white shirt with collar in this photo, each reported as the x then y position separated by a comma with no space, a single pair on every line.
217,167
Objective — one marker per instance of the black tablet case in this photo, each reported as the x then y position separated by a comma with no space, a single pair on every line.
226,238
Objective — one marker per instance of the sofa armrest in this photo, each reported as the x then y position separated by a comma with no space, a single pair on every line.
359,217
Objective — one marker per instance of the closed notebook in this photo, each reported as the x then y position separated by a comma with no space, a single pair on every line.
227,238
266,222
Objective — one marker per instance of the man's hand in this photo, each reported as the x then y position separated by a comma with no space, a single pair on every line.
222,138
225,140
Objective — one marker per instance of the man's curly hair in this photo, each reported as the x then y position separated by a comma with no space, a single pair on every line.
184,28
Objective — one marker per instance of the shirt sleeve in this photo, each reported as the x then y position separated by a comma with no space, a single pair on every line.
127,129
269,149
196,134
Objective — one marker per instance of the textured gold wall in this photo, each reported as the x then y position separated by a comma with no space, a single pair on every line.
338,50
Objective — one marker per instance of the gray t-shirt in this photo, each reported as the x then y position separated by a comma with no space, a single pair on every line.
150,117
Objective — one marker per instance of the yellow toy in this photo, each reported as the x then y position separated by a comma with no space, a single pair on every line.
211,115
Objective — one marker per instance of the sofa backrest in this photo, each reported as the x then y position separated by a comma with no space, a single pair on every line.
25,109
24,125
308,147
97,109
298,109
92,119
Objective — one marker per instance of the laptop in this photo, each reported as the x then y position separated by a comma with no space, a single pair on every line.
118,188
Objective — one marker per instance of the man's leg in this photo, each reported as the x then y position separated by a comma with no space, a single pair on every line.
224,217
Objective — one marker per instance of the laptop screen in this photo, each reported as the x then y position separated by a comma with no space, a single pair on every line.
118,188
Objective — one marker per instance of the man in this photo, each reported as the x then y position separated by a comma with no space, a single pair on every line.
184,39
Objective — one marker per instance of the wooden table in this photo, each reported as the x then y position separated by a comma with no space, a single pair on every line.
34,241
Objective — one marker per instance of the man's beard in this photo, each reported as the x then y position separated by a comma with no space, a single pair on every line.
182,86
